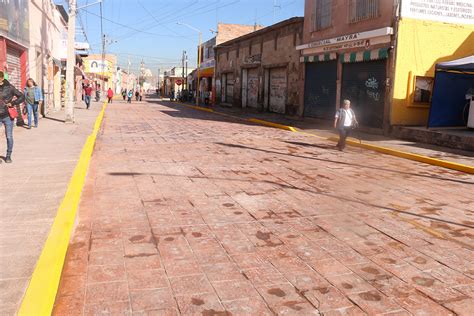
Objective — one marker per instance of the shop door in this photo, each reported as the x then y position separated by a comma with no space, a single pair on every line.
320,89
14,67
363,84
252,88
278,90
229,88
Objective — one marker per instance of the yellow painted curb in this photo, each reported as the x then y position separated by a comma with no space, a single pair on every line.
271,124
384,150
41,293
412,156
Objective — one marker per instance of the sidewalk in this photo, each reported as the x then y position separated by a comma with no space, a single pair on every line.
323,129
43,161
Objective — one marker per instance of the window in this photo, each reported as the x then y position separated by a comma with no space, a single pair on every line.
423,89
322,14
360,10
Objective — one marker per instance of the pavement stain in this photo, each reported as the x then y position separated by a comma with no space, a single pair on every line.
370,296
276,292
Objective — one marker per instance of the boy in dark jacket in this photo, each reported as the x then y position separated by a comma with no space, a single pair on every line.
7,93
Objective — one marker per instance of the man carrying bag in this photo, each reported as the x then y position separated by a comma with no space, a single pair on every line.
345,122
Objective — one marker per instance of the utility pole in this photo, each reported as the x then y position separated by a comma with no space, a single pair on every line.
71,62
198,69
128,74
182,70
186,69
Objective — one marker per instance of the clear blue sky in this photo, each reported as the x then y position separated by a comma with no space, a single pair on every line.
147,29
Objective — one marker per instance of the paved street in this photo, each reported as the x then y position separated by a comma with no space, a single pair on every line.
187,212
32,188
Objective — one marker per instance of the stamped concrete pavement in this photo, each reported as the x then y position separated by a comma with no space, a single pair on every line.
187,212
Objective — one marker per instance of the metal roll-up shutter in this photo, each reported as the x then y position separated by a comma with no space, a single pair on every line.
363,83
278,90
320,89
252,88
229,89
14,66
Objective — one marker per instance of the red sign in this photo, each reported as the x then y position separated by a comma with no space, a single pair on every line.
179,82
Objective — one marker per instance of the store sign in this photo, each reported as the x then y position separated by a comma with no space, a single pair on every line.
451,11
81,46
179,82
348,38
96,66
364,43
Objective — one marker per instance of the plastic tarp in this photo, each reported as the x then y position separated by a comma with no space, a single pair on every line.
463,64
448,103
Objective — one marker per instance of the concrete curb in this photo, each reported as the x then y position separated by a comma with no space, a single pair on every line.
41,293
380,149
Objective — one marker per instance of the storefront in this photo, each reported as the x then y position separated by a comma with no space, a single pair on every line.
320,86
363,83
352,67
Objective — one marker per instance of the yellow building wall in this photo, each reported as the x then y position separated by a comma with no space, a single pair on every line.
421,45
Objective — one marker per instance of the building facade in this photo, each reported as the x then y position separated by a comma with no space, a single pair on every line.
224,33
47,49
261,70
101,74
372,52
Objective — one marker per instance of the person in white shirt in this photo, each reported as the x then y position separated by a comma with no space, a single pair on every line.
345,121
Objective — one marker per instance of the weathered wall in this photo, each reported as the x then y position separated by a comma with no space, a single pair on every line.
277,47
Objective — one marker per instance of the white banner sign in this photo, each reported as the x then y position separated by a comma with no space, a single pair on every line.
348,38
365,43
450,11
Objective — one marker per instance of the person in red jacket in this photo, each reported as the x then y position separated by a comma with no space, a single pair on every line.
110,95
87,95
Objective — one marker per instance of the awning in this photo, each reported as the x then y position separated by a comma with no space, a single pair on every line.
463,64
318,58
368,55
57,62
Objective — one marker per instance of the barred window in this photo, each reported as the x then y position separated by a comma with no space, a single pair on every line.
360,10
322,14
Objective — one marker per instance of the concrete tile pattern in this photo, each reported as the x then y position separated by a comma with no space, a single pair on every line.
32,188
187,212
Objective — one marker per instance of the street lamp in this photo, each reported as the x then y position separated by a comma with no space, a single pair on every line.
199,58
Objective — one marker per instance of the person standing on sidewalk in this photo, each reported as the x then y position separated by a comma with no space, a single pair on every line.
7,93
87,95
345,121
34,99
124,94
110,95
129,96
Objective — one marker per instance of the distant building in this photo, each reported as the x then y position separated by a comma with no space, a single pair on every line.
261,70
225,32
99,72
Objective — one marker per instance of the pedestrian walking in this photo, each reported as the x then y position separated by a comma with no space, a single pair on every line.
33,99
137,95
345,121
124,94
110,95
130,95
7,104
141,94
87,95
